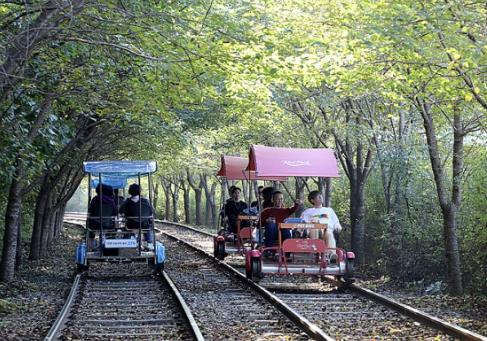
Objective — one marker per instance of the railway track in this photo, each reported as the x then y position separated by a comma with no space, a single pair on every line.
123,302
224,307
229,307
351,313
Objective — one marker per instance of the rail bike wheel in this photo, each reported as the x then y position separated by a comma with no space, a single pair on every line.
157,267
349,272
255,269
80,268
220,250
248,272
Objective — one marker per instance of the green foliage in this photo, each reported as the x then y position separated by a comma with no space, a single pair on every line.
472,223
184,82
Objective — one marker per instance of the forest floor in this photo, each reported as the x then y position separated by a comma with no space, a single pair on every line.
30,304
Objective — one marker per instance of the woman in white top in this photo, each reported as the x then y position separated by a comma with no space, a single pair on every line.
322,215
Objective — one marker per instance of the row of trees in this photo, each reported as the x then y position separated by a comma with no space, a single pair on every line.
395,87
91,80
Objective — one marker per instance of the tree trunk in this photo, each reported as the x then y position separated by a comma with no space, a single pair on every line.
175,199
211,209
357,216
327,191
62,212
18,253
214,208
197,197
449,208
167,199
300,184
208,220
156,197
35,241
204,183
46,225
12,213
393,184
357,174
12,218
186,202
50,188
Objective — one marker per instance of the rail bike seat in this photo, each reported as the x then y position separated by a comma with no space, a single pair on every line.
101,217
246,235
138,216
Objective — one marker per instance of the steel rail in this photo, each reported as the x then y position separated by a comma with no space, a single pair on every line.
195,230
418,315
56,328
187,311
415,314
64,315
311,329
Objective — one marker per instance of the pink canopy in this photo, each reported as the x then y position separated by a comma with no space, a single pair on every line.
233,168
273,161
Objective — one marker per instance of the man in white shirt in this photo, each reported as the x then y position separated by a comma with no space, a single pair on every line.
322,215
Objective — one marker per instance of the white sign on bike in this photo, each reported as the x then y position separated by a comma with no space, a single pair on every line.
120,243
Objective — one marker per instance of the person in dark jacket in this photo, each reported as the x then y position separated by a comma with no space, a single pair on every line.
105,194
234,208
267,193
260,198
106,198
128,205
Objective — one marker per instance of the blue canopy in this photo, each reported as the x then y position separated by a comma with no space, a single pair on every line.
119,169
113,182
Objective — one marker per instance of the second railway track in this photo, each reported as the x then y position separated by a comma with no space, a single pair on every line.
353,314
107,305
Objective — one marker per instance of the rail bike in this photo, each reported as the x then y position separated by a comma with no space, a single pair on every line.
119,238
225,242
296,256
299,256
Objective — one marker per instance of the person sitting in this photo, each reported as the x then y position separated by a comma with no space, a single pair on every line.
255,203
104,196
322,215
272,216
267,193
222,210
233,208
130,209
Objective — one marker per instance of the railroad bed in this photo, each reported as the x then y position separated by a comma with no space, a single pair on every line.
122,302
343,314
226,306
